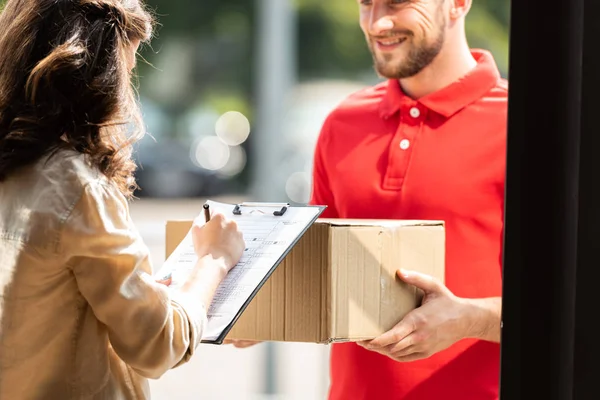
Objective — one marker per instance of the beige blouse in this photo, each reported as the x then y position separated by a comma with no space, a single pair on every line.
80,315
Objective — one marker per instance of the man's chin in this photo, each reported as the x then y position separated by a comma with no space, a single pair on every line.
387,66
387,71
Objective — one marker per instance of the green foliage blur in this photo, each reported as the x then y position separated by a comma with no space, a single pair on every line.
330,44
217,40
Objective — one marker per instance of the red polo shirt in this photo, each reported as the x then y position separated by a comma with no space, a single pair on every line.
442,157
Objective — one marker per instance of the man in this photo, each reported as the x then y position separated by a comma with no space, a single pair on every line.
429,143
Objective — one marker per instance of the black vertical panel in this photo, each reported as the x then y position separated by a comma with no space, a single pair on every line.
540,243
587,343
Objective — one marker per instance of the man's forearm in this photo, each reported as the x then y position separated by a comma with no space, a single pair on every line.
486,318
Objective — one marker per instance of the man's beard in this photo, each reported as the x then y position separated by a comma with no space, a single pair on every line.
417,58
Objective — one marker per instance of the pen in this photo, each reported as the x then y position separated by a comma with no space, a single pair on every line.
206,212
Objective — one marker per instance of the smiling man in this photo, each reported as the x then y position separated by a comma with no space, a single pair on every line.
428,143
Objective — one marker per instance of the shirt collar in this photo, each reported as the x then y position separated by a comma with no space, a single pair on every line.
452,98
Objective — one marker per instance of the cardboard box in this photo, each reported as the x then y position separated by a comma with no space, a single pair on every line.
339,282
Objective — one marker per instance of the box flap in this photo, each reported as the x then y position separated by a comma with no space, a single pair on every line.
386,223
175,233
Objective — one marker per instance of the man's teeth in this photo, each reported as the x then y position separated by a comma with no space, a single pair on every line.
390,42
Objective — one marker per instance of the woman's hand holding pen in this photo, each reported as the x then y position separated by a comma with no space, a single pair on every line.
219,245
220,239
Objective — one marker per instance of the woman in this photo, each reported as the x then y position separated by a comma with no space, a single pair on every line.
80,316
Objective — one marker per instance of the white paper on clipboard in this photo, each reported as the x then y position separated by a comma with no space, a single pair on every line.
268,239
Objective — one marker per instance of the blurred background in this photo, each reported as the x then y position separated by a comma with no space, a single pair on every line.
234,94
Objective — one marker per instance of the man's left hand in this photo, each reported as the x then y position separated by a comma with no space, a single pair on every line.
241,344
165,281
441,320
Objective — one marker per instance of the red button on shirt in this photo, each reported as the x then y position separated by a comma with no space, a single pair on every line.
384,155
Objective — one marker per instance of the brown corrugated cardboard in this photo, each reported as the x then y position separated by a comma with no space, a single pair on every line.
339,282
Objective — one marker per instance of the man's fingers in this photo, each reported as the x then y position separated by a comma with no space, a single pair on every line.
405,347
242,344
411,357
424,282
403,350
395,335
165,281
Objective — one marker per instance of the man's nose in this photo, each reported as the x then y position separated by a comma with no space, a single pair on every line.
380,20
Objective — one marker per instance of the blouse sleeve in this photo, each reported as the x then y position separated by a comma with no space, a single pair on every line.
149,327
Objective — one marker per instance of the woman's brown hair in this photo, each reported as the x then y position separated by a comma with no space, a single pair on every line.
65,83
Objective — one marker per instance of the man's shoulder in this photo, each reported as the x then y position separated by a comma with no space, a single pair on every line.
493,103
499,90
363,99
503,84
360,104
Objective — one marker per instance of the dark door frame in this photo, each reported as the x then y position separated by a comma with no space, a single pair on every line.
552,211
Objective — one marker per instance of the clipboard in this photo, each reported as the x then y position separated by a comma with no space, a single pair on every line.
283,221
279,210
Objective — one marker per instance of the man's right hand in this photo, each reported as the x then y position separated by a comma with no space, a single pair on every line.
241,344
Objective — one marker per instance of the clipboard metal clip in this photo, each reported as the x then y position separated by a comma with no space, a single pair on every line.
278,213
